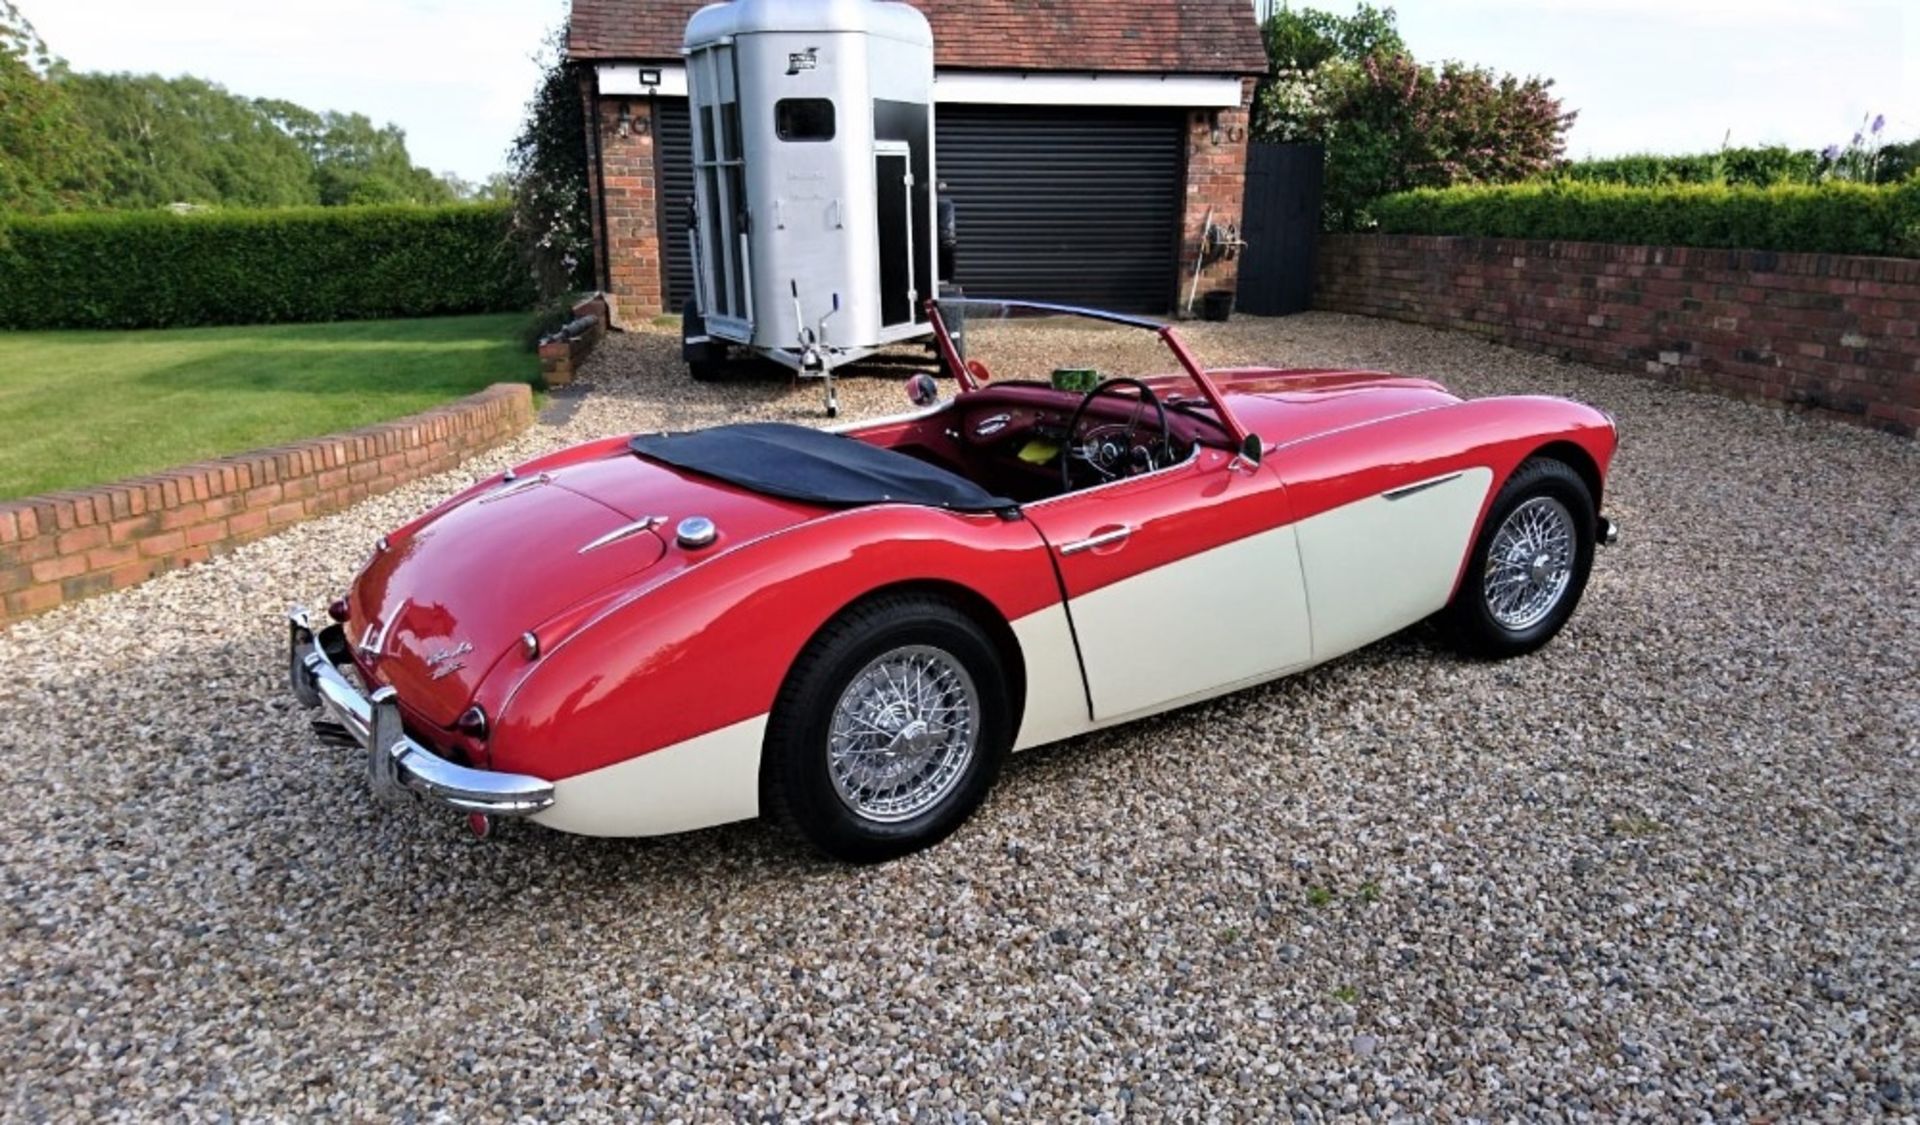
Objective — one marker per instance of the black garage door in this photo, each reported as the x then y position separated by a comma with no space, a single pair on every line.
673,149
1073,203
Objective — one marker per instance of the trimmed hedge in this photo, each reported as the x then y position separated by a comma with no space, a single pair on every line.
1834,218
156,269
1753,167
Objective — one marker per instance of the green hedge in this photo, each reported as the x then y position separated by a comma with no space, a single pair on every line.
161,270
1835,218
1753,167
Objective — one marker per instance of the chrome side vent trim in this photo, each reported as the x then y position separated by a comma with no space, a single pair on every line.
625,531
1414,489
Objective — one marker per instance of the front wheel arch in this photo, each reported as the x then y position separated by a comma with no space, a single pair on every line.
1574,457
1467,619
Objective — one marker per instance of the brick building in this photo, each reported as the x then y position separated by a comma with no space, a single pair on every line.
1084,144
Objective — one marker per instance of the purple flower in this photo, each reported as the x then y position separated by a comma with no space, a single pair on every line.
1830,153
1857,138
1879,123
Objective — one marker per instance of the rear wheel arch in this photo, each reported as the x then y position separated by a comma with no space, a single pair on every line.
804,771
976,607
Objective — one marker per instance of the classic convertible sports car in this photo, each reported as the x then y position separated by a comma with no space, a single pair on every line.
851,630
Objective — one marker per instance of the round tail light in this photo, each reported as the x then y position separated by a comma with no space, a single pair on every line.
472,723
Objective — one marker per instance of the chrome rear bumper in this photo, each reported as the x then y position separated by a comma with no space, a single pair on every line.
395,762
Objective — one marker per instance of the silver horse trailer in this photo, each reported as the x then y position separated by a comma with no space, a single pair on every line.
813,218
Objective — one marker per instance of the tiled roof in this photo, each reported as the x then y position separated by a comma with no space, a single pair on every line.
1162,36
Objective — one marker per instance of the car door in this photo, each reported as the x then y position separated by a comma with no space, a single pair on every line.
1180,584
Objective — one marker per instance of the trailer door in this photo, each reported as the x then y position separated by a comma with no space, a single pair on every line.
893,187
722,269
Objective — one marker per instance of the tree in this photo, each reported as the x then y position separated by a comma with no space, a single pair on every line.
186,140
1389,123
552,213
1305,39
355,161
48,158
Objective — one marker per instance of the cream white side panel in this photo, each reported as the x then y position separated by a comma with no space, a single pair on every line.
1378,565
1056,696
1234,614
708,780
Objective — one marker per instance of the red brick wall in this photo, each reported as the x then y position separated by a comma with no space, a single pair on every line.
63,546
626,202
1831,332
1216,181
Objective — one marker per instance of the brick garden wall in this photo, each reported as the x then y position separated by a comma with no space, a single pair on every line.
63,546
1831,332
562,355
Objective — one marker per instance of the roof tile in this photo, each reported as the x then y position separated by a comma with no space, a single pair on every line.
1167,36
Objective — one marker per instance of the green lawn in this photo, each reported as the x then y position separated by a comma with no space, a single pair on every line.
80,408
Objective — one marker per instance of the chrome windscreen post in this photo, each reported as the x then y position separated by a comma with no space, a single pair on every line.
299,641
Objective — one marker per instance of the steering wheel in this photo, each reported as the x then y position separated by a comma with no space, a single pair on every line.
1112,455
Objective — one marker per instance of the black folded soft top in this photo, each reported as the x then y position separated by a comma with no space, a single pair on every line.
801,463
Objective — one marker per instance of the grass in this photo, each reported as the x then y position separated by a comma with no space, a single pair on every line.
81,408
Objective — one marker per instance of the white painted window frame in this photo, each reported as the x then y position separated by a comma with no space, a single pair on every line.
986,87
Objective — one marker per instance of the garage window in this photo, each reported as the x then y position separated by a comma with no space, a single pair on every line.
803,119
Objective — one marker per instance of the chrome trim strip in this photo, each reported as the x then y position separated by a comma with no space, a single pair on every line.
892,419
1413,489
624,531
514,488
396,763
1101,540
1317,435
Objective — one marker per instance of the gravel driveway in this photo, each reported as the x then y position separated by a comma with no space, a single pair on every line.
1664,868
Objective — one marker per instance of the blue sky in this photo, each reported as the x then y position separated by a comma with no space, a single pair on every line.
1665,75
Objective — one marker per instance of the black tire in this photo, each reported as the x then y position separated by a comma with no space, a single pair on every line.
1469,621
705,371
796,786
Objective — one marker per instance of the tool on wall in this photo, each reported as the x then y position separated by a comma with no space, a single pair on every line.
1218,242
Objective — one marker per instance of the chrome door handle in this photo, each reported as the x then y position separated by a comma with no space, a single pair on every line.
1102,539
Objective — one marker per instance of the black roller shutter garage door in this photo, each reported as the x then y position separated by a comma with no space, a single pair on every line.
1075,204
673,166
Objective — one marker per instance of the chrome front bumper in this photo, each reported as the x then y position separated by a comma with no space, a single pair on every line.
395,763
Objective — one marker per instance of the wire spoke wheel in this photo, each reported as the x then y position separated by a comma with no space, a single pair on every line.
1530,563
903,733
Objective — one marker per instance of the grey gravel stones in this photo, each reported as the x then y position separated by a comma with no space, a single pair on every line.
1663,869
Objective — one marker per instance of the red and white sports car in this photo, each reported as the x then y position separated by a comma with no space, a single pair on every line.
851,630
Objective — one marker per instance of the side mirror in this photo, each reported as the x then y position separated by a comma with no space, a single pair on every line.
922,390
1251,450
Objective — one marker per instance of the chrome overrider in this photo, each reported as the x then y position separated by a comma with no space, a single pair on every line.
396,763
